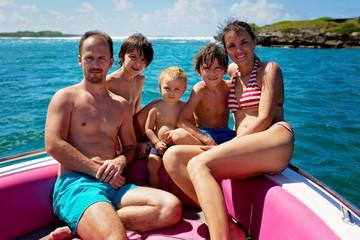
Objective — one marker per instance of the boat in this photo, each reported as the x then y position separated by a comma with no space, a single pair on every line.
288,205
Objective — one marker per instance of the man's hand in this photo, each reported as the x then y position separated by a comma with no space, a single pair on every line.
110,172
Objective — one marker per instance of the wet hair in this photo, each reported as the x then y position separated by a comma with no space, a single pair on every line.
173,72
236,26
141,43
208,54
99,35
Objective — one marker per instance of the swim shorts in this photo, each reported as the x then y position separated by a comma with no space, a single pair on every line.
155,152
220,135
74,192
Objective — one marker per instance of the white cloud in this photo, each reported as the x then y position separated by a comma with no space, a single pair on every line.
86,7
122,5
29,7
7,3
17,18
2,17
261,12
188,15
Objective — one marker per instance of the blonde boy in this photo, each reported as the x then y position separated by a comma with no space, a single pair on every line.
208,100
162,118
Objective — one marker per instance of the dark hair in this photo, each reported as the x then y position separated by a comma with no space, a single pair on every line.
141,43
100,35
208,54
236,26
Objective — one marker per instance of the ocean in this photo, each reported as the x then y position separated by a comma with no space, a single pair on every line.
322,98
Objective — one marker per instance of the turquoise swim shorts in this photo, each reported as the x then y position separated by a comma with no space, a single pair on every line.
74,192
220,135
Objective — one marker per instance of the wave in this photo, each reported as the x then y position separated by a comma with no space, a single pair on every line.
122,38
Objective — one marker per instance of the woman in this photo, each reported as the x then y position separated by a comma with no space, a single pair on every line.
264,141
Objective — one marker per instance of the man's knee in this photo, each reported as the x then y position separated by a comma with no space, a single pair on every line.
171,209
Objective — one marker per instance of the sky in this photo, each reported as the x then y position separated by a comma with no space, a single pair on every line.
179,18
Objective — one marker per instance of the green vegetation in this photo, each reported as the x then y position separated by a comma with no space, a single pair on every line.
35,34
325,24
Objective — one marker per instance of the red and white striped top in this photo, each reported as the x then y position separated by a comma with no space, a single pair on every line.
250,97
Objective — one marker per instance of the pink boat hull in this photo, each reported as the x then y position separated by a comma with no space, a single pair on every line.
264,208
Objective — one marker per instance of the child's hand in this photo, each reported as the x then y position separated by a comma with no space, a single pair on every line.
208,141
205,148
160,147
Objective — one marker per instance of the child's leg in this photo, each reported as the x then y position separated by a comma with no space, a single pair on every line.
153,166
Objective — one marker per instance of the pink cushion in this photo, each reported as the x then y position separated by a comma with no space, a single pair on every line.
185,229
268,211
285,217
26,201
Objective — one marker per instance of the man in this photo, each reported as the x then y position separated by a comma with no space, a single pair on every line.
82,125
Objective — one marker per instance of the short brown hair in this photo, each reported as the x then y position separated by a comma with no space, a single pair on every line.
141,43
208,54
98,34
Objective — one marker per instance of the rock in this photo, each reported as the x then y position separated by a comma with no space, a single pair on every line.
308,39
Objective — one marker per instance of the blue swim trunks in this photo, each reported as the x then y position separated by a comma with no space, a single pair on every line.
155,152
220,135
74,192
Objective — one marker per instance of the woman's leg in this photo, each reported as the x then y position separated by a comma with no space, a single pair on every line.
175,160
251,155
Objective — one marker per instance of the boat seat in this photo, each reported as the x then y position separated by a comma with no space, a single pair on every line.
268,211
27,211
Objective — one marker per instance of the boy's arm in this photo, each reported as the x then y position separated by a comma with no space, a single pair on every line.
150,125
140,80
185,119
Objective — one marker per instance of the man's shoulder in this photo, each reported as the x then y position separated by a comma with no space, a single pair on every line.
68,91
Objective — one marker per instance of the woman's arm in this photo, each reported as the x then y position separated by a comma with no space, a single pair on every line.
272,89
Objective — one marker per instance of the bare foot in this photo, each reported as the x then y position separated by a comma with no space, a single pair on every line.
61,233
235,231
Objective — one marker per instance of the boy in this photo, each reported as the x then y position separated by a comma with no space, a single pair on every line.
208,100
136,54
162,118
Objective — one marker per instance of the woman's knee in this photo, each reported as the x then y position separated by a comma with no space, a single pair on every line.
196,166
171,159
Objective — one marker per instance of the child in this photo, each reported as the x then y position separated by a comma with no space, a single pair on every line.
136,53
208,100
162,118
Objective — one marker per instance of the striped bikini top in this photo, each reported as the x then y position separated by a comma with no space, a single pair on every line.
250,97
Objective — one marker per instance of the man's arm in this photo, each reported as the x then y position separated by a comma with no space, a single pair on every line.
56,134
111,170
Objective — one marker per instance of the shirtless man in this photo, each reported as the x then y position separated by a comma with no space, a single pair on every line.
82,125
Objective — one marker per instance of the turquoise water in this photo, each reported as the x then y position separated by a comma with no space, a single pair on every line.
321,88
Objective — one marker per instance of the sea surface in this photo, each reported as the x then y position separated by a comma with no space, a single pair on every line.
322,91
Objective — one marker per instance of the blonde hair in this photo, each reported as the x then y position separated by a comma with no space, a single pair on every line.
173,72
